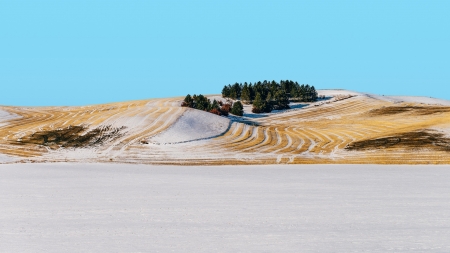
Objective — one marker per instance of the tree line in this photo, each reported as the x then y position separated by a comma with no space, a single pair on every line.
201,102
266,96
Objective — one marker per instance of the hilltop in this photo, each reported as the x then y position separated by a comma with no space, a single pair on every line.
341,127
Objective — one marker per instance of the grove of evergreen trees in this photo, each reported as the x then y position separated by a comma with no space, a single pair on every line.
201,102
266,96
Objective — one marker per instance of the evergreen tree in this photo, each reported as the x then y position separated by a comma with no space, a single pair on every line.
295,93
201,102
237,109
252,92
281,100
233,94
214,105
313,94
307,93
302,93
245,95
269,97
258,103
286,85
268,107
235,91
226,91
188,101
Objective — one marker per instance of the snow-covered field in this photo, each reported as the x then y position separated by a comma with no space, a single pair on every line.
301,208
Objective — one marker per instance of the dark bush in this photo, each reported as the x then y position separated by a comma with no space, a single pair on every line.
256,110
215,111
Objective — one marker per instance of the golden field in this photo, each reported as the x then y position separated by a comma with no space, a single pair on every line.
344,129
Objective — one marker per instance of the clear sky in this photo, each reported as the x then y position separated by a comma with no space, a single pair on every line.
87,52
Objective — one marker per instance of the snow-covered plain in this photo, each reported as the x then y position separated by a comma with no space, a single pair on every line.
305,208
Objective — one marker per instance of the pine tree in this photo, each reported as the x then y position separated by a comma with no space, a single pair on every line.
294,92
267,107
202,103
307,93
235,91
258,103
188,101
313,94
269,97
233,94
245,95
214,105
302,93
281,100
226,91
252,92
237,109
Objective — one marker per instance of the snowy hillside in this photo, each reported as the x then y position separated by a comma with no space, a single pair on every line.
5,116
193,125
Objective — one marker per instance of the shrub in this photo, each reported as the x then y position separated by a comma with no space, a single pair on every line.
215,111
226,108
256,110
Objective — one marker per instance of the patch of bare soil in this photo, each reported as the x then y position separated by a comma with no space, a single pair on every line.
417,110
423,139
72,137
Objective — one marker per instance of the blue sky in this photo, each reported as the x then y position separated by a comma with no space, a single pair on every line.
88,52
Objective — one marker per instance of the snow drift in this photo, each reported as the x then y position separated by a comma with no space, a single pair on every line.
193,125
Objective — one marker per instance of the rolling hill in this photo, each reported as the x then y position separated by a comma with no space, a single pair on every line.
345,127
